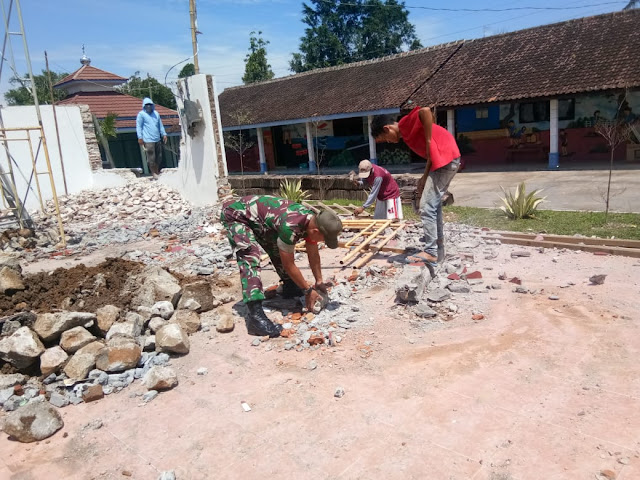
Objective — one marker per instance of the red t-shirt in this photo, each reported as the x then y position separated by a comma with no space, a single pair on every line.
443,145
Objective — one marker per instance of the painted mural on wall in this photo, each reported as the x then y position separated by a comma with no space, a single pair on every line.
521,130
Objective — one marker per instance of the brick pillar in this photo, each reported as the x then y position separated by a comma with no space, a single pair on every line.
93,148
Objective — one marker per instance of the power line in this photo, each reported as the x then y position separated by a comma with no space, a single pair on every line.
476,10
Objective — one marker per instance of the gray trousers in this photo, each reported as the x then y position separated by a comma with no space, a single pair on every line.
154,154
431,205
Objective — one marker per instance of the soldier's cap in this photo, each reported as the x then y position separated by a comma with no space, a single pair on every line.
330,226
364,169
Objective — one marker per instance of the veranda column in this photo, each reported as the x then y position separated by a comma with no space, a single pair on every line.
263,158
554,157
373,154
312,154
451,121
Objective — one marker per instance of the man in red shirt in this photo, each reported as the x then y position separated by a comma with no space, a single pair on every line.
438,147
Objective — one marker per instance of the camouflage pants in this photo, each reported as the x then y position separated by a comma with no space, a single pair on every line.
245,243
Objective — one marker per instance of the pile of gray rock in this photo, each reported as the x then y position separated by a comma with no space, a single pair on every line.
71,357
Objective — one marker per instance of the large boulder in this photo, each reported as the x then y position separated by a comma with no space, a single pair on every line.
52,360
120,354
33,422
172,339
74,339
10,281
132,328
156,285
199,292
21,349
162,309
106,317
83,361
160,378
51,325
188,320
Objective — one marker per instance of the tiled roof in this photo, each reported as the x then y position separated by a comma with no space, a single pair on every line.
357,87
587,54
93,74
125,106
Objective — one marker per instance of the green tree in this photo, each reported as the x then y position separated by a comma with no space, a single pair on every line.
22,95
256,68
188,70
343,32
149,87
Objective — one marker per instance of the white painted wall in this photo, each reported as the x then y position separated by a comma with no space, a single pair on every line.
74,151
197,175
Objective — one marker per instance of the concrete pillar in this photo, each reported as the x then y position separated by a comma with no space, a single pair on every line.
310,149
554,156
202,168
373,154
263,158
451,121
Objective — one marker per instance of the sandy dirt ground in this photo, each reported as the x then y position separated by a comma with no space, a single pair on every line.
538,389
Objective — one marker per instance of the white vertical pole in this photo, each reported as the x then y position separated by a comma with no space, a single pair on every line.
263,158
554,157
451,121
373,154
310,148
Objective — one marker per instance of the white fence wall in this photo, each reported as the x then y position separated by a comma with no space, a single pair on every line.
74,151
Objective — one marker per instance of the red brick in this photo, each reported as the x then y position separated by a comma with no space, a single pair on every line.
316,339
478,316
516,280
474,275
93,393
453,276
18,390
602,254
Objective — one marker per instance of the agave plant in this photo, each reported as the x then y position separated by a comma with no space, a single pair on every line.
292,190
521,204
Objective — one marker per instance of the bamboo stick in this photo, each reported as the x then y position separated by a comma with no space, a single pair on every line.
365,243
350,242
342,208
626,252
378,247
568,239
327,207
311,207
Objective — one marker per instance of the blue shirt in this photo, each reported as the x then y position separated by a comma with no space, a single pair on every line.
149,127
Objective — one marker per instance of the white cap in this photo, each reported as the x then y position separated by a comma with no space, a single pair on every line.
364,169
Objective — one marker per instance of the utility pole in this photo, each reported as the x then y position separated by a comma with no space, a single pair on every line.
194,32
149,80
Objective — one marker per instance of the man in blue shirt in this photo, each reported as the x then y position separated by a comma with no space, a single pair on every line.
150,131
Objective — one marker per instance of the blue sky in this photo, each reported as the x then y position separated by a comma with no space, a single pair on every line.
124,36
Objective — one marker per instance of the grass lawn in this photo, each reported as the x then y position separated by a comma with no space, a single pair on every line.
620,225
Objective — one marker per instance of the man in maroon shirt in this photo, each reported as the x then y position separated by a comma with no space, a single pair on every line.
384,189
438,147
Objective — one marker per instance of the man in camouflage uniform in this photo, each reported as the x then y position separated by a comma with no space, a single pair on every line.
276,225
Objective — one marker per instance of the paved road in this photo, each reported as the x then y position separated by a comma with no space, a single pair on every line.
565,190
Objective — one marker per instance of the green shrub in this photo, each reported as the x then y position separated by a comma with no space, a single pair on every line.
292,190
520,204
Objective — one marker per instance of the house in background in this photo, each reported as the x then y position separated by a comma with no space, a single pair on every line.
96,88
525,99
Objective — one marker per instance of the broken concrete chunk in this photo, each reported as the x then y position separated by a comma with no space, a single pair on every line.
156,323
11,380
157,285
456,288
162,309
188,320
411,283
52,360
10,281
22,348
106,317
10,261
49,326
172,339
438,295
160,378
75,338
199,292
425,311
520,253
33,422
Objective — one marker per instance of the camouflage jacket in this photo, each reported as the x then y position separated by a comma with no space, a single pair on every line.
271,218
